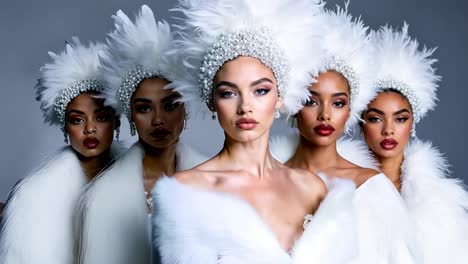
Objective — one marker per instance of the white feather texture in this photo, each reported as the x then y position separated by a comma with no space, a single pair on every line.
76,63
143,42
289,22
346,39
112,224
225,229
437,204
399,59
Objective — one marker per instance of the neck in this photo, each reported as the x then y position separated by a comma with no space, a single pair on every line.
94,165
158,161
313,157
391,167
251,156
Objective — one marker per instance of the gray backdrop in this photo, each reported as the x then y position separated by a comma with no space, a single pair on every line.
29,29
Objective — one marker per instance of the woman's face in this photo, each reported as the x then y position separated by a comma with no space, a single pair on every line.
323,118
158,117
245,96
90,125
387,124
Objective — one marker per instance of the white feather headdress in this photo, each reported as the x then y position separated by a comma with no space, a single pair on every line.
75,70
348,51
401,66
212,31
137,51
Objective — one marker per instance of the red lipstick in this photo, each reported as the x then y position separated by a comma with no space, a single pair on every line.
246,123
388,143
160,133
91,142
324,130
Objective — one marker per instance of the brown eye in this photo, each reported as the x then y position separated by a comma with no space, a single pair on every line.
75,120
143,108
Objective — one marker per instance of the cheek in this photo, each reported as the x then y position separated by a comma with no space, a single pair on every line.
372,134
306,116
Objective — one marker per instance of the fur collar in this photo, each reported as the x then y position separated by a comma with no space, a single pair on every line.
283,148
38,218
196,226
112,218
437,203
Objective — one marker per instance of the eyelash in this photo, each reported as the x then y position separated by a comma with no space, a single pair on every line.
171,106
262,91
143,108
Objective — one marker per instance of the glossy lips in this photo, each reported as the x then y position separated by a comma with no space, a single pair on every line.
388,143
246,123
91,143
324,130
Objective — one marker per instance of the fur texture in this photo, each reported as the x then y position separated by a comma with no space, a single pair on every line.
112,218
196,226
437,205
399,59
37,225
144,42
290,23
76,63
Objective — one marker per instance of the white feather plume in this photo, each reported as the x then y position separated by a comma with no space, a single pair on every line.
347,39
289,21
76,63
400,59
143,42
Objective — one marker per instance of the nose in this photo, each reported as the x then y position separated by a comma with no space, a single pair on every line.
157,119
324,114
244,105
90,128
388,129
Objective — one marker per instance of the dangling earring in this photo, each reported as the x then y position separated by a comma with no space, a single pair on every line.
293,121
117,133
132,128
65,134
186,117
413,131
277,113
213,115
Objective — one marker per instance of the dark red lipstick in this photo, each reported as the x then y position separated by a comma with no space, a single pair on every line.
160,133
324,130
91,143
246,123
388,143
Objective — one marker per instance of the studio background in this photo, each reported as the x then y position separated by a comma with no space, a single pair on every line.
29,29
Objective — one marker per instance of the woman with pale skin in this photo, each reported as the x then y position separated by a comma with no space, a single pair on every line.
38,218
242,205
436,202
113,214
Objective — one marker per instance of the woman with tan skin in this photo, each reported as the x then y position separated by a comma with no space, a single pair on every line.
37,224
406,82
342,90
114,212
242,205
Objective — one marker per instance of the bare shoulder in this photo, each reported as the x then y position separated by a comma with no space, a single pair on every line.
196,177
310,182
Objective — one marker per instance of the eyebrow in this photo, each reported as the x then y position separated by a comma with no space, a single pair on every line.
170,97
382,113
76,112
333,95
233,85
141,100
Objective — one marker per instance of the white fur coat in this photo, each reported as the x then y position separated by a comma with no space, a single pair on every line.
112,222
383,227
200,226
37,225
437,204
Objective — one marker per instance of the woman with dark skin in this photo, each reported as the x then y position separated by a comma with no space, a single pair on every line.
68,91
117,230
406,85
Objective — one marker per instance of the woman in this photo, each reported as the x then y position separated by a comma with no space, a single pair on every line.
242,205
68,91
342,90
406,82
113,213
